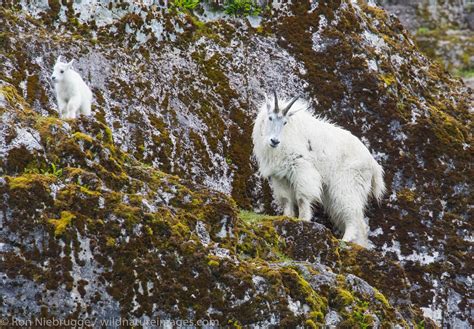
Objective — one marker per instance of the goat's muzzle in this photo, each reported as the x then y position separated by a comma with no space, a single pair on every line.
274,142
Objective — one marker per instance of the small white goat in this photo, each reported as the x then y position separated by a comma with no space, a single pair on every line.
73,95
310,160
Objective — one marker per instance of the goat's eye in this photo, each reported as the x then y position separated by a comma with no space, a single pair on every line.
62,71
285,122
270,118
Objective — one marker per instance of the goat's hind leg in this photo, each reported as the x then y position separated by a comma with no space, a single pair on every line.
348,198
356,230
283,194
349,218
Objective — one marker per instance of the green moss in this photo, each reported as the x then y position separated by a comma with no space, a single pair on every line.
28,180
21,182
44,124
148,230
62,223
447,127
375,11
110,242
310,324
381,298
213,263
108,135
344,297
302,290
388,79
11,95
406,194
235,324
181,229
85,190
81,136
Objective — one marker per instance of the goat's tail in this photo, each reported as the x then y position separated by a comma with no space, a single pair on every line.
378,185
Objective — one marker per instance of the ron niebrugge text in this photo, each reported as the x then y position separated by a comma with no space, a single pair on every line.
112,322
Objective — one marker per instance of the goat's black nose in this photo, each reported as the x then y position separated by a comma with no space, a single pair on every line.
275,142
53,78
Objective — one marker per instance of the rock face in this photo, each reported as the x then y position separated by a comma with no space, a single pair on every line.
90,233
418,13
96,223
444,30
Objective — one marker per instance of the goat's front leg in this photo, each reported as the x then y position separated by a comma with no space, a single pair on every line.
62,107
283,194
305,211
308,186
73,107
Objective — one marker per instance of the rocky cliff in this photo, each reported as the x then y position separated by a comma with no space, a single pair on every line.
134,212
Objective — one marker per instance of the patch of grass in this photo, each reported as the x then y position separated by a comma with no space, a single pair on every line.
423,30
363,321
420,325
242,8
53,170
466,73
185,4
251,217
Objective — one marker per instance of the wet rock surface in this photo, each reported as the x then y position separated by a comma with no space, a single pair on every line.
136,210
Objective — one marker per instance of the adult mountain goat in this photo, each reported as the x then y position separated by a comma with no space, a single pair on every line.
310,160
73,95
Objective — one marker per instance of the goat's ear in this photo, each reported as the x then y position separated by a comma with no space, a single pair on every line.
59,59
69,65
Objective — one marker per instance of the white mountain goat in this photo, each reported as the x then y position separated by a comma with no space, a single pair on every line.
73,95
310,160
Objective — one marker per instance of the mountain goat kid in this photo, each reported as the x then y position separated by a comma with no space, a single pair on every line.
73,95
310,160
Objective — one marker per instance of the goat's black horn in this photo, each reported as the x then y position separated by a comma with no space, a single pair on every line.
276,109
287,108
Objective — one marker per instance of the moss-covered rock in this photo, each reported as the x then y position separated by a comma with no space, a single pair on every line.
98,234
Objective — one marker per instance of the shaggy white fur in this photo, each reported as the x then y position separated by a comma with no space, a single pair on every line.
310,160
73,95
